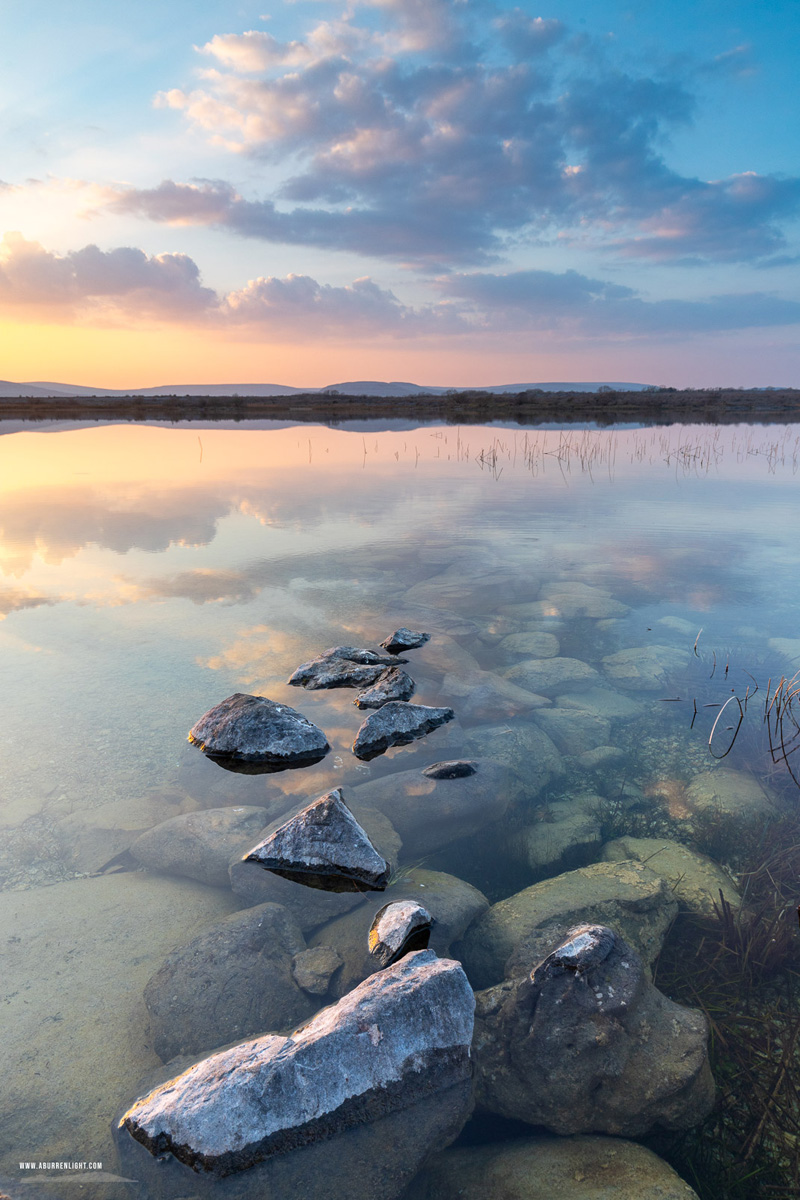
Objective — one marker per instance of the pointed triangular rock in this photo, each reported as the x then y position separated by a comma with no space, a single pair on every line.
323,846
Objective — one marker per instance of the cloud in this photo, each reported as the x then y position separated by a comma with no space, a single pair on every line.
15,600
434,133
578,306
201,586
123,280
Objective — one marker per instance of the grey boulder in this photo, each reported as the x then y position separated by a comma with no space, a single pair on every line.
339,658
323,846
252,733
586,1043
312,970
399,1037
392,684
397,724
231,982
200,844
397,929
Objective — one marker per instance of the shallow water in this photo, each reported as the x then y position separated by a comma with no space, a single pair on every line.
150,572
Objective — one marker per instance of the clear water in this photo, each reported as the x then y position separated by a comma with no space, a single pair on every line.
149,572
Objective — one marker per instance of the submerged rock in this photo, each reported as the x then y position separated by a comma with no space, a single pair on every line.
398,928
525,927
523,747
570,829
484,696
728,794
432,807
231,982
399,1036
323,846
586,1043
252,733
527,645
405,639
549,676
644,668
550,1168
397,724
312,970
574,731
200,845
392,684
695,880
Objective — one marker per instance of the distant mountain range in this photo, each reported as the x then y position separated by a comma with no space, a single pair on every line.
359,387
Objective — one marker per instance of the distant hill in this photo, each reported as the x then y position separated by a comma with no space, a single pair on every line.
360,387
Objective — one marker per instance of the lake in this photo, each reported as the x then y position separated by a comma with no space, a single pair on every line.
594,598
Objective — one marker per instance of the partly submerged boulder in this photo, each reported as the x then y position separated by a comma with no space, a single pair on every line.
200,844
232,981
586,1043
397,724
399,1036
391,684
405,639
313,674
398,928
323,846
252,733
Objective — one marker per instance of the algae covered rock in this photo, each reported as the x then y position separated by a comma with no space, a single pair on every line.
695,880
200,844
527,926
644,668
730,794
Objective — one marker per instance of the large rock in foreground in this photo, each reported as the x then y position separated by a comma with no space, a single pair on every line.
397,724
527,926
550,1168
586,1043
323,846
252,733
398,1037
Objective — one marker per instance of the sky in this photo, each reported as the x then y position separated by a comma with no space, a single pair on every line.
449,192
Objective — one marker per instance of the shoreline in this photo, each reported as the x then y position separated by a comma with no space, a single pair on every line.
718,406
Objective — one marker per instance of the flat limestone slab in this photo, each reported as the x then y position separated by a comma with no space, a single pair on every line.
76,958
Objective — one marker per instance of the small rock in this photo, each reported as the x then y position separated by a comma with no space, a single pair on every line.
254,733
550,1168
695,880
323,846
526,927
392,684
231,982
574,731
200,845
548,676
397,724
398,1036
612,706
586,1043
312,970
569,832
458,769
729,793
601,756
405,639
398,928
524,748
484,696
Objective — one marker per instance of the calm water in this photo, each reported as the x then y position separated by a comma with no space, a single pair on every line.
147,573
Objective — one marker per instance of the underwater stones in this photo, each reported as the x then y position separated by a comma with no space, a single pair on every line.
644,668
586,1043
730,794
527,645
574,731
401,1035
199,845
611,706
570,598
695,880
789,648
523,747
232,981
526,927
484,696
323,846
312,970
391,684
601,756
452,903
568,831
253,733
550,1168
397,929
549,676
429,809
470,587
404,639
397,724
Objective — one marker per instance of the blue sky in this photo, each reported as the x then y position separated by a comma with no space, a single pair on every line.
603,190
